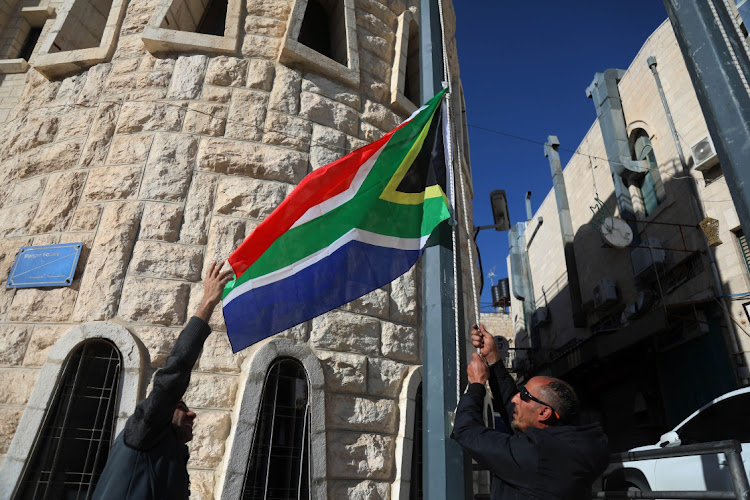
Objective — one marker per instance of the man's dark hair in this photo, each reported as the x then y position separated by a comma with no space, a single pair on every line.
562,397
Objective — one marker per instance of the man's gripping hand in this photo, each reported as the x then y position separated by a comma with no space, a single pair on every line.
213,286
485,342
477,371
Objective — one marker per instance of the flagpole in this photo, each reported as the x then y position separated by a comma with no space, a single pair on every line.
443,462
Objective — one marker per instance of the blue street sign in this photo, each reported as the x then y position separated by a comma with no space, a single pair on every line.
45,265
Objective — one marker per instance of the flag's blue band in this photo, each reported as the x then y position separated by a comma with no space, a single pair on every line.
350,272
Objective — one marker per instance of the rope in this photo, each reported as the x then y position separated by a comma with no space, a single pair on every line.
452,189
737,29
729,45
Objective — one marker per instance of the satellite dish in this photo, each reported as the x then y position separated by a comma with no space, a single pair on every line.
616,232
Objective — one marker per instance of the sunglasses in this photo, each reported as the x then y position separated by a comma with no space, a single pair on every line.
526,397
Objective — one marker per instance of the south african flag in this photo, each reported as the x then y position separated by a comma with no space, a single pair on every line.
348,228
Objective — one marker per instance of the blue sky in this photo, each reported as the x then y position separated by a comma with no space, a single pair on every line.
525,67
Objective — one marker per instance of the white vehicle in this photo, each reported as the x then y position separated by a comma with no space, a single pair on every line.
726,417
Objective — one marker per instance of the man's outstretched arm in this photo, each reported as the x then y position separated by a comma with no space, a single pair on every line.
155,412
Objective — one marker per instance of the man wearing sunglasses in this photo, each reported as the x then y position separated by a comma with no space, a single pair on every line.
546,455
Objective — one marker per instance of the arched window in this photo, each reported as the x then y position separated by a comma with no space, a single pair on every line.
72,447
279,464
649,187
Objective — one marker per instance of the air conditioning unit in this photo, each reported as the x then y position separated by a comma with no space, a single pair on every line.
541,316
605,294
704,154
648,258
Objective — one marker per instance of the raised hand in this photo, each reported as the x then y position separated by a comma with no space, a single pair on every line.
485,342
213,286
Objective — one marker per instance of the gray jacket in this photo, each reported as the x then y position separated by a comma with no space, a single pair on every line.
147,461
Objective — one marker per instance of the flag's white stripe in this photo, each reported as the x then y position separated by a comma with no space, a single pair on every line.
326,206
354,234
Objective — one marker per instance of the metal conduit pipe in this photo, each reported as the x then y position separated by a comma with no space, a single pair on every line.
566,227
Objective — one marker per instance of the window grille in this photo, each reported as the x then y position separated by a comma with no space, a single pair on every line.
72,447
744,248
415,486
278,468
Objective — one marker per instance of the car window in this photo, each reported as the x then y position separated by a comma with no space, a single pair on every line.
728,419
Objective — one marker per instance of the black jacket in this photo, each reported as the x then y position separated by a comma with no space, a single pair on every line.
555,463
147,461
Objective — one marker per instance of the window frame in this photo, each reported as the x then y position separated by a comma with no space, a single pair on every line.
305,460
34,17
241,436
42,395
81,369
401,486
636,132
160,40
294,53
399,101
63,63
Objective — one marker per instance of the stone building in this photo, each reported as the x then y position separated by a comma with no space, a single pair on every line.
646,331
157,134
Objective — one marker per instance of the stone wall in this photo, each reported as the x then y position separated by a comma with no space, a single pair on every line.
161,164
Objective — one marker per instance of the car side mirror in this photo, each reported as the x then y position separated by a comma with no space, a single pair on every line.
669,439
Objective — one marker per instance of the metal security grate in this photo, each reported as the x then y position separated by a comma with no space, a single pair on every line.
744,248
279,464
72,447
415,487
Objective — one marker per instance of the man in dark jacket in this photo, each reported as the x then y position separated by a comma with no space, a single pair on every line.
149,458
546,456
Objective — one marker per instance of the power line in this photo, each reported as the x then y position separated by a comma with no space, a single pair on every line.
526,139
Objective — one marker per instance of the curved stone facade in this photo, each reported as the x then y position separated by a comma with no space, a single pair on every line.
162,162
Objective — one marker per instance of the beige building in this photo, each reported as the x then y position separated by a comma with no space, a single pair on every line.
157,134
647,332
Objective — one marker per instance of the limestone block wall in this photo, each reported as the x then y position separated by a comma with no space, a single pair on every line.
587,176
162,163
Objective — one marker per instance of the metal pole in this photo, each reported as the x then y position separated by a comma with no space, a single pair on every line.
443,466
720,71
737,472
655,72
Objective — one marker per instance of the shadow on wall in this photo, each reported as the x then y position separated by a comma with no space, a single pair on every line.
630,365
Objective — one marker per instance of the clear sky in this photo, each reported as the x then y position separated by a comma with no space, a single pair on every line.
525,66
